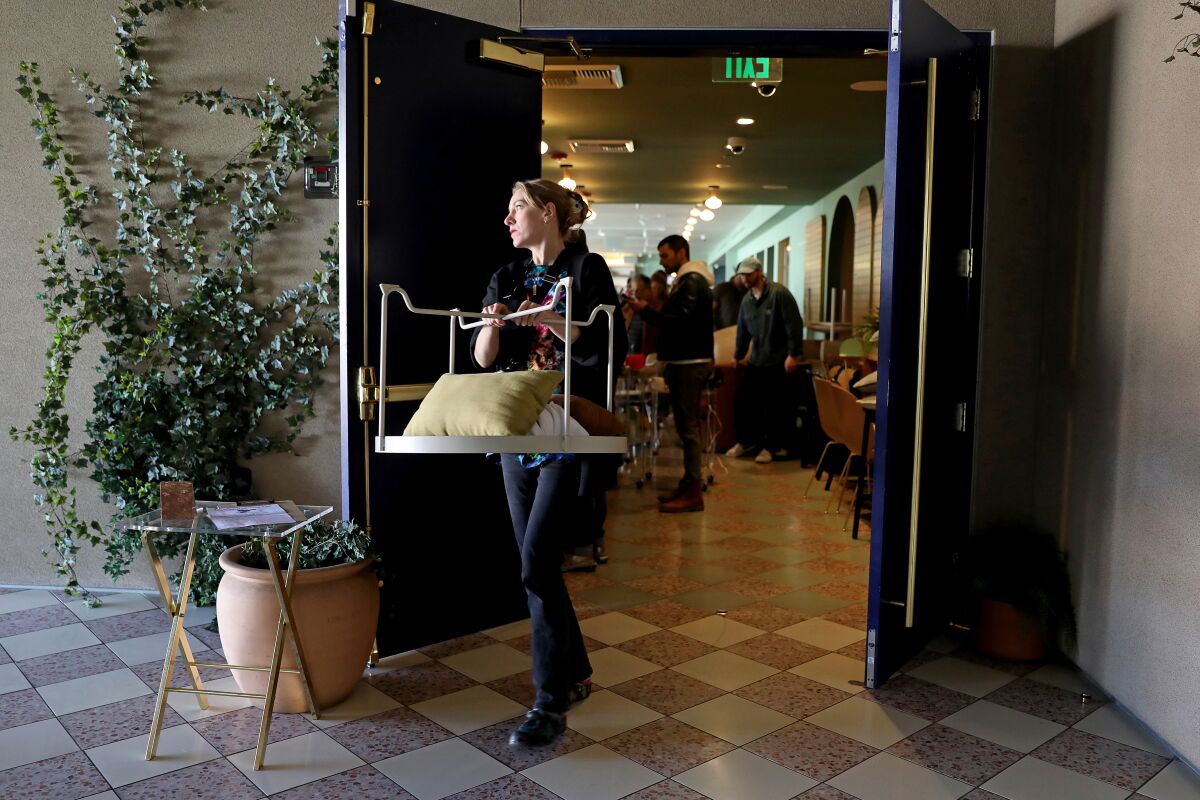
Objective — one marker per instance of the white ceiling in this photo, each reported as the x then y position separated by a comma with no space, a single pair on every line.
812,136
635,229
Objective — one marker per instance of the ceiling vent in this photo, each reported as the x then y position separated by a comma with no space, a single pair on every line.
572,76
601,145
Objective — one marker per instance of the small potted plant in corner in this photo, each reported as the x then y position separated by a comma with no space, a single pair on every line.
1023,592
335,603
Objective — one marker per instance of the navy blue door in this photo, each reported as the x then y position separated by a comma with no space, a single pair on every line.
432,140
928,335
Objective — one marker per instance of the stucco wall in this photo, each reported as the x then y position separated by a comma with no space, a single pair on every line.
1118,465
234,44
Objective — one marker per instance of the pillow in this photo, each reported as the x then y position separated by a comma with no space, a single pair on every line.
595,419
485,404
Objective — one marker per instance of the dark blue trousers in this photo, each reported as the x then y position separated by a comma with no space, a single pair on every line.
542,502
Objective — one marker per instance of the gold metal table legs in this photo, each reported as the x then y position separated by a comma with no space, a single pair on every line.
177,606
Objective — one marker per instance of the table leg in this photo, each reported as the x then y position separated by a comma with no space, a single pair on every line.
185,587
286,620
172,605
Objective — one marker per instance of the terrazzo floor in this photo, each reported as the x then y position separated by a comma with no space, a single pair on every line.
727,649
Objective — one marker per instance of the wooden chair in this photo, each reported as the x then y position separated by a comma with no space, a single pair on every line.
826,415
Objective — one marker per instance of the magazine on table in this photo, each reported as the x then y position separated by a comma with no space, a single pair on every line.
248,515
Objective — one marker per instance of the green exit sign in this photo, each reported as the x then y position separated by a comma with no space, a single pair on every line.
747,69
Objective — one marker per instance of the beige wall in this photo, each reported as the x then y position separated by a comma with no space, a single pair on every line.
1119,467
236,44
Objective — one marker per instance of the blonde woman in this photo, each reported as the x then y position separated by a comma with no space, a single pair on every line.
544,490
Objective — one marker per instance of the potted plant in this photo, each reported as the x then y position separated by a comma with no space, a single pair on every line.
157,271
335,603
1023,592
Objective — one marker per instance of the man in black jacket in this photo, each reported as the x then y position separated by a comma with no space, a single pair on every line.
685,345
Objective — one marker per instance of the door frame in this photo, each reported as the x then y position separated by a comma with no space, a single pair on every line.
654,42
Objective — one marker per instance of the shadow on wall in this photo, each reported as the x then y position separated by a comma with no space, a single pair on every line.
1083,335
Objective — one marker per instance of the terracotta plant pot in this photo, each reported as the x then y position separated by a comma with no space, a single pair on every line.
336,611
1007,632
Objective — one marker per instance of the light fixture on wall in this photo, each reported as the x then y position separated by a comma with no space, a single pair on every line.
713,201
707,215
567,181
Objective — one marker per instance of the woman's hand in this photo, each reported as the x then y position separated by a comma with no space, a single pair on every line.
533,320
496,308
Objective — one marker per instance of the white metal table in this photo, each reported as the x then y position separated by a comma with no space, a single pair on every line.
152,525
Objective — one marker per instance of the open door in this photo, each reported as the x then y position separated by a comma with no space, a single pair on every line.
928,336
433,137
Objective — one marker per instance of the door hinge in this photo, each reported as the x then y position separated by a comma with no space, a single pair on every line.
976,107
966,262
894,39
869,680
960,417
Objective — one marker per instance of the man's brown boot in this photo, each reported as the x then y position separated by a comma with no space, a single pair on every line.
667,497
691,498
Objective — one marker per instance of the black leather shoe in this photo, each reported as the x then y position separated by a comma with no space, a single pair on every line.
580,691
539,729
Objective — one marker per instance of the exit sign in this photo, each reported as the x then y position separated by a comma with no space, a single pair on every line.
747,69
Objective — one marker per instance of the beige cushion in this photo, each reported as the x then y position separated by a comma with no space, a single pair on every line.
485,404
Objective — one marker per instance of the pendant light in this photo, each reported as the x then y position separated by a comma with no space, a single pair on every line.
567,181
713,201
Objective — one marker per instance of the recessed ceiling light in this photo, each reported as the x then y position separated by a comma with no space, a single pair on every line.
869,86
774,186
745,121
722,166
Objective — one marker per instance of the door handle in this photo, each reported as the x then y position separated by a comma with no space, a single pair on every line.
922,337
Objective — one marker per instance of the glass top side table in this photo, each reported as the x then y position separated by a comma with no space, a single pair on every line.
151,525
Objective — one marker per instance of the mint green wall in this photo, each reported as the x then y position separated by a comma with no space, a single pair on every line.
776,223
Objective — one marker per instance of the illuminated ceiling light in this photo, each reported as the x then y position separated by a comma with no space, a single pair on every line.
545,147
745,121
722,166
869,86
775,187
713,201
707,215
567,181
695,212
687,234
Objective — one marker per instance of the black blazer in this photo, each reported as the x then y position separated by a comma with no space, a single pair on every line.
591,286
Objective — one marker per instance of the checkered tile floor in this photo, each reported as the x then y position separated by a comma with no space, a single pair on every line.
727,649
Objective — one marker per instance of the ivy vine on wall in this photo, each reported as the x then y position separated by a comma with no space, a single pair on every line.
1189,44
199,370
